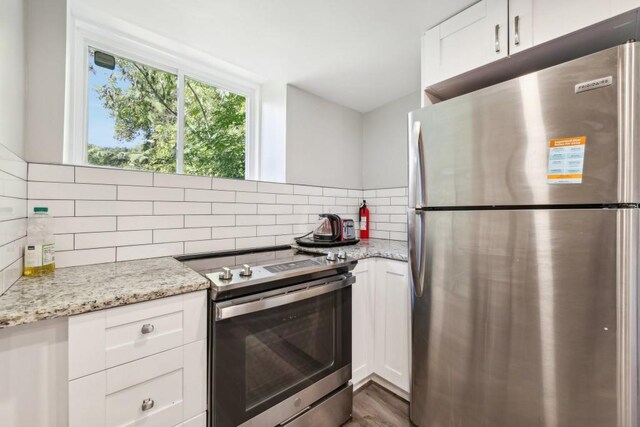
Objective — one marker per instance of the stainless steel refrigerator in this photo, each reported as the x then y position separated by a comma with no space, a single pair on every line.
523,242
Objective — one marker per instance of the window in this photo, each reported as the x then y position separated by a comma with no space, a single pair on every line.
143,117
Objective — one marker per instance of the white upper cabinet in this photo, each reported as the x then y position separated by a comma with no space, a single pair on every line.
533,22
495,29
474,37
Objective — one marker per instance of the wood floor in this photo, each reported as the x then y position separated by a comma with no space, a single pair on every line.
374,406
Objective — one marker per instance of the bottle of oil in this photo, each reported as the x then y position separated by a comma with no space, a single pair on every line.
39,253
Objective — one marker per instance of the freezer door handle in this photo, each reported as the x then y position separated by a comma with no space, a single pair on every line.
416,214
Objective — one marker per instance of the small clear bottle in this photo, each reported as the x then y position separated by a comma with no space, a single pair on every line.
39,252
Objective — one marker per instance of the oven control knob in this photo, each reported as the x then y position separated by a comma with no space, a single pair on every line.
246,270
331,256
226,273
342,255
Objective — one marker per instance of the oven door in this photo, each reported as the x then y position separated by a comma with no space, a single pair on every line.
274,354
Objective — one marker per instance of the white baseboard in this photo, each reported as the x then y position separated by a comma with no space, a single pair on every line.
384,384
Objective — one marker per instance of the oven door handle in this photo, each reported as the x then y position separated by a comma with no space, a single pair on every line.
279,300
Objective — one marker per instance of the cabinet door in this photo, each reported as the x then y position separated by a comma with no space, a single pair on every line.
474,37
392,323
621,6
540,21
362,325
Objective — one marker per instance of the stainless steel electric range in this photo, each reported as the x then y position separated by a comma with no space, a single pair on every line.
279,337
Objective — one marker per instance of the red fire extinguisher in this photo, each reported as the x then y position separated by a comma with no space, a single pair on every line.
364,220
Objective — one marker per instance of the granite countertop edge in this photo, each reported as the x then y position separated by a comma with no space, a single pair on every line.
32,300
372,248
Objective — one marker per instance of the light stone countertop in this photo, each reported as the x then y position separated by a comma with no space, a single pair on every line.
76,290
367,248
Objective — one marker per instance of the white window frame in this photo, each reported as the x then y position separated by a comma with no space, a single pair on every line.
149,52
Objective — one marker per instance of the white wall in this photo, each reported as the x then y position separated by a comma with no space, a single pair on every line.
384,161
324,141
12,63
46,30
273,132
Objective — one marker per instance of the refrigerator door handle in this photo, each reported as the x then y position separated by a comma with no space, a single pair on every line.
417,202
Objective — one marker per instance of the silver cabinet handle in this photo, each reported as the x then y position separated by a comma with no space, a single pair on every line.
147,404
147,328
497,37
516,22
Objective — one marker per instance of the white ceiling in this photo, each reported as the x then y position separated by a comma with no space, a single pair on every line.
358,53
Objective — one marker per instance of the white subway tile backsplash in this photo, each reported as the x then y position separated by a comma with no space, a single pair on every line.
389,192
56,207
181,181
12,186
274,209
291,219
391,226
231,232
64,242
11,252
10,275
233,208
12,230
209,220
288,199
85,257
271,187
209,196
184,208
126,192
307,190
150,222
110,239
117,208
125,253
64,225
274,230
104,214
66,191
400,200
181,234
233,185
307,209
209,246
255,219
322,200
11,163
255,198
50,173
97,175
255,242
336,192
376,234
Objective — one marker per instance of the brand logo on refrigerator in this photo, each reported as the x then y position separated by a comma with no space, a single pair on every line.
594,84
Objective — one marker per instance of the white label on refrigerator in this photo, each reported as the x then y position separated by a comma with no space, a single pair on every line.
566,160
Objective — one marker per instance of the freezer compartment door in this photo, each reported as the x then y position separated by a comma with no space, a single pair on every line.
527,318
536,140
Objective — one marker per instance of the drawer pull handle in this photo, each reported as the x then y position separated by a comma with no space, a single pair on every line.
147,404
147,328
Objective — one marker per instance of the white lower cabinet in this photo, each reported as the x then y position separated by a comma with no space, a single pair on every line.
159,377
382,322
362,326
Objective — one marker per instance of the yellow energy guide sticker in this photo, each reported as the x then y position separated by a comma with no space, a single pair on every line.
566,160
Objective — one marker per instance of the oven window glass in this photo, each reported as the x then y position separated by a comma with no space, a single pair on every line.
284,348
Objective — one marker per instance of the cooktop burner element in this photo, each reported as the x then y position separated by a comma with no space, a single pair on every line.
234,274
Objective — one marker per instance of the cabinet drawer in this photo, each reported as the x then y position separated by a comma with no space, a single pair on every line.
143,337
108,338
159,390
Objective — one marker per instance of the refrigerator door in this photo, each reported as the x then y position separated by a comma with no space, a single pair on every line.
527,318
493,147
